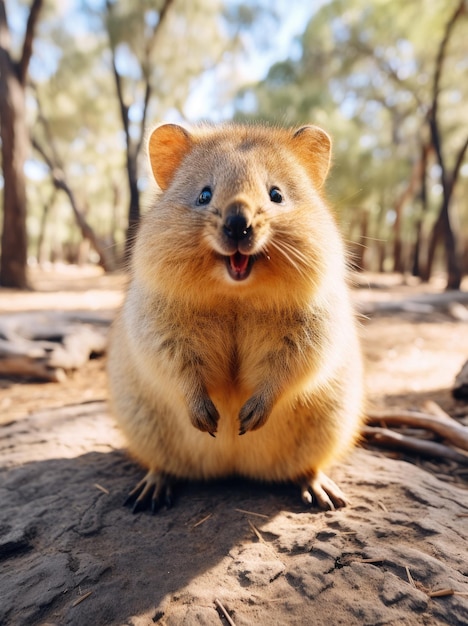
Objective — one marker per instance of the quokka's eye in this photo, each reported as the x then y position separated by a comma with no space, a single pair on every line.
205,196
275,195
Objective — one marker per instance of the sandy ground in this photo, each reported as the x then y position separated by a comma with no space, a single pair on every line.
233,550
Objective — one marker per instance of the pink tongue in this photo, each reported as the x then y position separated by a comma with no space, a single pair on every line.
239,262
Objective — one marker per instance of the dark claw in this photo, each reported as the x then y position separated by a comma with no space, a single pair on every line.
204,414
128,500
134,494
254,413
154,489
140,505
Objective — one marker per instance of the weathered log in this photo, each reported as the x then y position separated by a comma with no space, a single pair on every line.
27,360
47,345
423,303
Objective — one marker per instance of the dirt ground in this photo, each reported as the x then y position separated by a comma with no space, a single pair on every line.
230,552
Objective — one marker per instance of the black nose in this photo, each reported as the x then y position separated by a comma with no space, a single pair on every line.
236,227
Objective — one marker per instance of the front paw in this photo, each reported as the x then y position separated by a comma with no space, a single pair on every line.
204,415
254,413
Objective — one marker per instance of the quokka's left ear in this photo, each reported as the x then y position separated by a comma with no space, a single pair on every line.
313,147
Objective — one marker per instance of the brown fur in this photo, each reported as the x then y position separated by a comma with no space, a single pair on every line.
274,356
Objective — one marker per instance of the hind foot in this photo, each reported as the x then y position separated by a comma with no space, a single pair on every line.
321,490
154,490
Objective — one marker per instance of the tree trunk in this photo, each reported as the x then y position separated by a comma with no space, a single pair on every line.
133,146
60,183
398,265
465,257
381,256
443,231
416,266
397,244
14,135
15,143
418,172
380,240
448,178
454,274
87,231
42,232
434,238
416,249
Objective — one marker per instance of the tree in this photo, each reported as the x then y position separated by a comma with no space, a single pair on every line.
443,226
78,149
15,143
134,141
366,72
60,182
148,75
102,71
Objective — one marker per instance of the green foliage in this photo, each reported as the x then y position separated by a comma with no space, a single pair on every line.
74,110
362,70
366,73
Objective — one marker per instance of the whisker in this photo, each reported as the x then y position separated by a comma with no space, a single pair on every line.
289,253
295,252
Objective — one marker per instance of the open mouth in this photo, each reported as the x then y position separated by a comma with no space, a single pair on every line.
239,265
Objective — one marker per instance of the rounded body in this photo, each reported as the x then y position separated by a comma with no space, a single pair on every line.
237,321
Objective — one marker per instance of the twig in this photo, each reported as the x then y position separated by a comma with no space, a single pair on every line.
101,488
387,438
410,578
440,593
257,532
202,520
252,513
81,598
224,612
444,426
435,409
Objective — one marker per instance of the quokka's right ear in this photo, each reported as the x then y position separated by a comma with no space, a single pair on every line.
168,144
313,147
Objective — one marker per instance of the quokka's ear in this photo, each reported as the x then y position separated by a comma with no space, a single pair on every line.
168,144
313,147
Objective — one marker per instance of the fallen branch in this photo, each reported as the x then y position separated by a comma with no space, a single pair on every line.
452,431
390,439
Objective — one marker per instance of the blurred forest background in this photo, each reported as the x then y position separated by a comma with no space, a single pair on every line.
81,80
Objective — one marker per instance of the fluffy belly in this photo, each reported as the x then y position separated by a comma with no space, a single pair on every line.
276,451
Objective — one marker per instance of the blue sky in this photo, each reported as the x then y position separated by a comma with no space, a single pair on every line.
204,101
254,64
